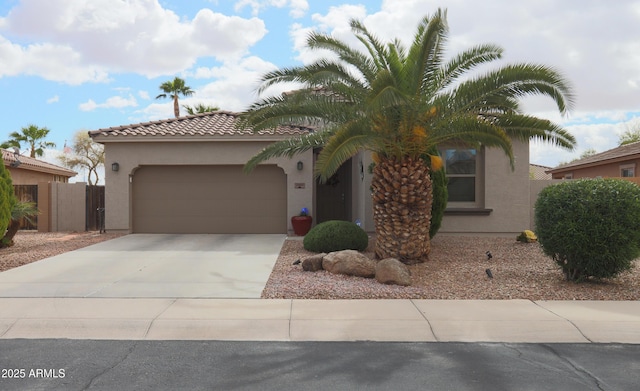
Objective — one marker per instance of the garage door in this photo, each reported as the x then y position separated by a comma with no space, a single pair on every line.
209,199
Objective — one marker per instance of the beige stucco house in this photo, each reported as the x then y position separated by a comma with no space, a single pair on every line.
184,175
26,170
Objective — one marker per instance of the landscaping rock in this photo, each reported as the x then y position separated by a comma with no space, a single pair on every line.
313,263
349,262
392,271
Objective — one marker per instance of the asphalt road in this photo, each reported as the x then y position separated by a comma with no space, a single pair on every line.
212,365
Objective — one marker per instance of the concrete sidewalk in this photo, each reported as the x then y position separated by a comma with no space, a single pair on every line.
321,320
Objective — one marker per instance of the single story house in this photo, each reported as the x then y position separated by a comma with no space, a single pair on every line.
26,170
619,162
184,175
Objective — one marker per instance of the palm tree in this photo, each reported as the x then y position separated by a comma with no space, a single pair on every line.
31,135
173,89
21,210
200,108
400,103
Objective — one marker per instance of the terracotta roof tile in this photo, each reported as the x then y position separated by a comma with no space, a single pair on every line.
629,150
219,123
539,172
29,163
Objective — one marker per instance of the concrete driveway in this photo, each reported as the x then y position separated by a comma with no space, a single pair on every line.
152,265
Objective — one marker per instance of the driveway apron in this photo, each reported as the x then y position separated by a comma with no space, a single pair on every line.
152,265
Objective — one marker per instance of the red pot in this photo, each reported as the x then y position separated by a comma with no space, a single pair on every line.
301,224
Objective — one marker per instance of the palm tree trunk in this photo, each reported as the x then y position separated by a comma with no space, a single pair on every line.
402,199
7,240
176,106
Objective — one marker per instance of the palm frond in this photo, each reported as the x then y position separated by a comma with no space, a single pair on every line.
288,148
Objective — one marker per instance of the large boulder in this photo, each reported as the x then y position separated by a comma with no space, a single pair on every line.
392,271
349,262
313,263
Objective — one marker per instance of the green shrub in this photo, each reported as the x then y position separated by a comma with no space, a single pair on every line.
439,183
7,199
335,235
590,227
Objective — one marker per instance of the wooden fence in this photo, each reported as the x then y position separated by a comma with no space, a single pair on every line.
95,203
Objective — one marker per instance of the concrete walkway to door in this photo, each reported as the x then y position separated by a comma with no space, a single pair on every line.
152,266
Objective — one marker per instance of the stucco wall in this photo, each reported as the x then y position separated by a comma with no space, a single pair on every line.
29,177
131,155
505,191
62,207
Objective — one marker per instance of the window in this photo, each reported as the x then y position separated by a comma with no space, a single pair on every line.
461,166
628,170
568,176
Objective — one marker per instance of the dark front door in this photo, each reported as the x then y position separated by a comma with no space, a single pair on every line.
333,198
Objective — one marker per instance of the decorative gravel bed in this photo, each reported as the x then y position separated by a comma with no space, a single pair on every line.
456,270
31,246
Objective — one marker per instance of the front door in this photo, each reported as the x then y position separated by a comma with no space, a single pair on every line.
333,198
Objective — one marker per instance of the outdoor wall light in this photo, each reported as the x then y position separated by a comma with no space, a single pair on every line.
300,166
115,166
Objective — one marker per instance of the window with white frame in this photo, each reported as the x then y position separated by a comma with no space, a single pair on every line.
628,170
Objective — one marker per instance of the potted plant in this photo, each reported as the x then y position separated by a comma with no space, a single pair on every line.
301,223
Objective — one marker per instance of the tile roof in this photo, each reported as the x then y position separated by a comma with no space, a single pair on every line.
218,123
624,151
539,172
29,163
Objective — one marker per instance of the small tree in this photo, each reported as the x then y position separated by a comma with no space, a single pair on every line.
21,210
86,154
590,227
33,136
631,135
7,199
200,108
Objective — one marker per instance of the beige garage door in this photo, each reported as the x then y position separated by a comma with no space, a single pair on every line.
209,199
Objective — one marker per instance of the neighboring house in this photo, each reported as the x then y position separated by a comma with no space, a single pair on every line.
26,170
620,162
538,172
184,175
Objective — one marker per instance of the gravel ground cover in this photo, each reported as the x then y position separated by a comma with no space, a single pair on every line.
456,270
31,246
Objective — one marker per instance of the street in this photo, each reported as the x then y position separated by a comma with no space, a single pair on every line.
213,365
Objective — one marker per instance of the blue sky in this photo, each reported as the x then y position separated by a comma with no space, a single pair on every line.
85,65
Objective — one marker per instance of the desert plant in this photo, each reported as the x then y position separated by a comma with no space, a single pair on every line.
7,199
527,236
335,235
21,210
440,194
590,227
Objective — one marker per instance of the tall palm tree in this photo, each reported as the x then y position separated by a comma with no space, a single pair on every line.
173,89
33,136
400,103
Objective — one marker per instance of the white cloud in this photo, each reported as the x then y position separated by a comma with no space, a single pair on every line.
85,41
298,8
53,99
114,102
144,95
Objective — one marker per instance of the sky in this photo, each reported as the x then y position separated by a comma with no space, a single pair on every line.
84,65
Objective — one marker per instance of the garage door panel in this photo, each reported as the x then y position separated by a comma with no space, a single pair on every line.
209,199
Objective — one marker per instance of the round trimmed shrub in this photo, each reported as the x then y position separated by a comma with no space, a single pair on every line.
439,183
335,235
590,227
